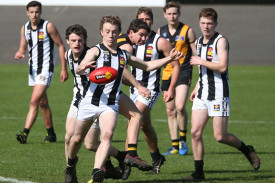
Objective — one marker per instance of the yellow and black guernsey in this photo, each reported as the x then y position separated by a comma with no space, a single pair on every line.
123,39
181,42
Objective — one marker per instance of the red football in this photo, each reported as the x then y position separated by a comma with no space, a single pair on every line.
103,75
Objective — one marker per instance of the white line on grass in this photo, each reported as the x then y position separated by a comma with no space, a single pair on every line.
3,179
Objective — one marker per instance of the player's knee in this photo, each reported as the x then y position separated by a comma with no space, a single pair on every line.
77,139
67,138
180,110
107,136
145,127
170,112
43,103
91,146
219,138
196,134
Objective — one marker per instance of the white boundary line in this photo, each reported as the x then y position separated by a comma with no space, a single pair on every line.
3,179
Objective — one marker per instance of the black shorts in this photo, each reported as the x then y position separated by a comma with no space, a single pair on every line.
185,78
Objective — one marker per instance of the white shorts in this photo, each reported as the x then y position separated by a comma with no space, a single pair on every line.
88,111
43,78
150,102
73,112
218,107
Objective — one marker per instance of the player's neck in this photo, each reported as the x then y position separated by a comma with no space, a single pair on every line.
173,28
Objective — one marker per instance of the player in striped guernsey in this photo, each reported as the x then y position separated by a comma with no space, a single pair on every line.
101,101
182,37
76,37
39,36
211,94
155,47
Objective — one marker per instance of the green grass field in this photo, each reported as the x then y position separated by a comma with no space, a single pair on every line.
252,120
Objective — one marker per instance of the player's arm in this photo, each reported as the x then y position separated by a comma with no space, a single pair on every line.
88,61
155,64
54,34
127,47
194,92
130,80
22,47
192,40
165,47
222,51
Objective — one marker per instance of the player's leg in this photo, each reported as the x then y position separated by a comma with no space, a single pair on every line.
70,126
173,126
107,123
37,93
182,117
81,129
47,117
150,136
199,119
222,136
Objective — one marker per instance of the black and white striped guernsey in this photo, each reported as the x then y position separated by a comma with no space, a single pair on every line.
212,85
148,52
81,82
41,48
107,94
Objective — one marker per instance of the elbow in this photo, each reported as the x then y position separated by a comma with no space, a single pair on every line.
223,70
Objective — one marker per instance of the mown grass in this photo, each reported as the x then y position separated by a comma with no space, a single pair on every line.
252,120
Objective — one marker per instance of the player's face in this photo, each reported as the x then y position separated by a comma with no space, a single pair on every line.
146,18
172,15
109,34
76,43
139,37
34,14
207,26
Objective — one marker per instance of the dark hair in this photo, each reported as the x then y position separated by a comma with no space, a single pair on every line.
145,10
78,30
209,13
114,20
171,4
34,4
136,25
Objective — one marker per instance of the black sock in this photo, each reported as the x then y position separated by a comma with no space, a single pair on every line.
26,131
120,156
155,155
50,131
108,163
183,135
199,166
175,144
71,162
132,150
95,170
244,149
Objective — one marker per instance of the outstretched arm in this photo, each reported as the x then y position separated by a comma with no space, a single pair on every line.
130,80
155,64
88,61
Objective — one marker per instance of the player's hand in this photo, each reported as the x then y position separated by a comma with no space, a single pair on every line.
195,60
193,95
18,55
168,96
64,76
144,91
175,54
